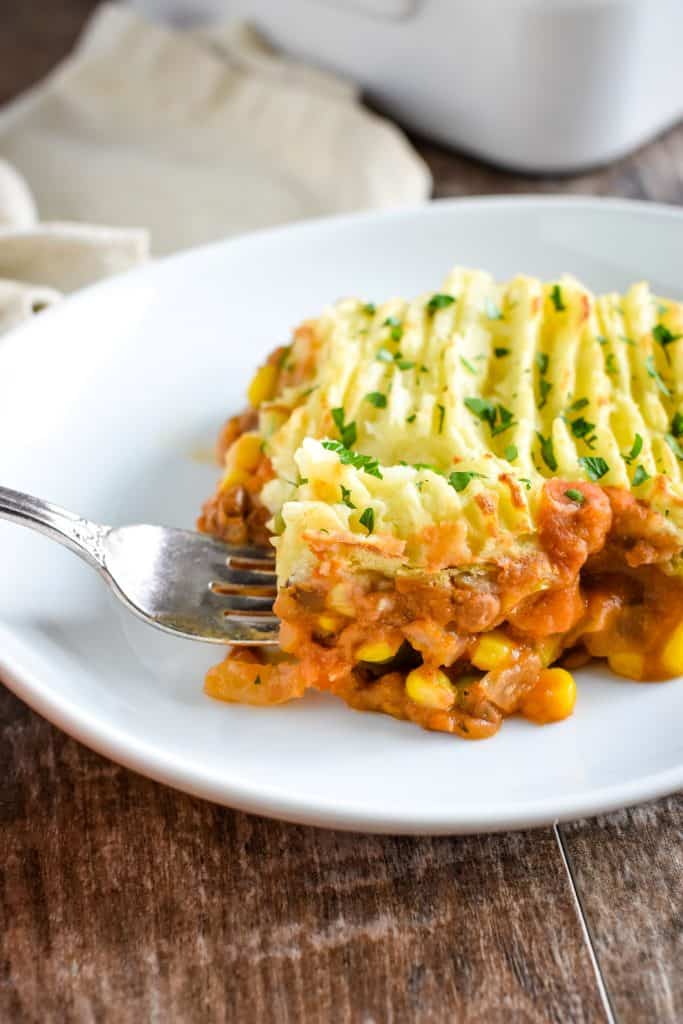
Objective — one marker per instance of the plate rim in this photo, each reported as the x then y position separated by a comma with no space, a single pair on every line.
150,761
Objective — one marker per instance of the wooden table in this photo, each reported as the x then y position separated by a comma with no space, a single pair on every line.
121,900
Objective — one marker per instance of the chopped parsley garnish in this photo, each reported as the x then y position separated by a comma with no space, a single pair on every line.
542,362
640,476
442,414
547,452
556,299
377,399
664,337
545,387
601,339
574,495
525,480
346,497
582,428
369,308
384,355
674,445
367,519
627,341
595,466
411,418
404,364
461,478
257,681
677,424
355,459
656,376
500,352
396,326
580,403
511,452
498,417
347,431
493,311
636,449
611,363
284,356
468,365
439,301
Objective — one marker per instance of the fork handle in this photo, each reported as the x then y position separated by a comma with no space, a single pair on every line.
82,536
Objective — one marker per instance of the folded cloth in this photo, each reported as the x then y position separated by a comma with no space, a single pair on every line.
196,136
40,261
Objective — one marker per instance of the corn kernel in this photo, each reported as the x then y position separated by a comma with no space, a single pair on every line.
672,654
493,650
548,650
340,598
234,476
262,385
245,452
430,688
552,699
627,663
329,623
378,650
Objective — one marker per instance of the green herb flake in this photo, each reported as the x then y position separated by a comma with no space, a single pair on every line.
369,308
468,365
636,449
347,431
257,681
384,355
627,341
575,496
656,376
511,453
525,480
542,361
499,353
601,339
348,458
411,418
544,388
346,497
556,299
611,363
674,445
461,478
442,414
492,310
439,301
377,399
664,337
640,476
595,466
405,364
580,403
367,519
396,332
482,409
547,452
677,424
581,428
505,421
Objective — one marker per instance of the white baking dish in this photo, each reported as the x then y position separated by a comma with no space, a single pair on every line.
542,85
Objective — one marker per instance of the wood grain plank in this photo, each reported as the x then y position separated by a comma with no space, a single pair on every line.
629,870
123,900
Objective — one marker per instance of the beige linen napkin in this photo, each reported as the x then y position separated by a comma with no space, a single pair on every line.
199,136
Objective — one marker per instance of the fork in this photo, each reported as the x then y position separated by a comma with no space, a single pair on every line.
177,580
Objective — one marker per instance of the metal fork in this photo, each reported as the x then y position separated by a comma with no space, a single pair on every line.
177,580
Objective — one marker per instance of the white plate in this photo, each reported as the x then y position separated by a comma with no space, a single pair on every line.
105,403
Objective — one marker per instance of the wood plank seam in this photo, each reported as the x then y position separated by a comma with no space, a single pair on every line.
585,927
